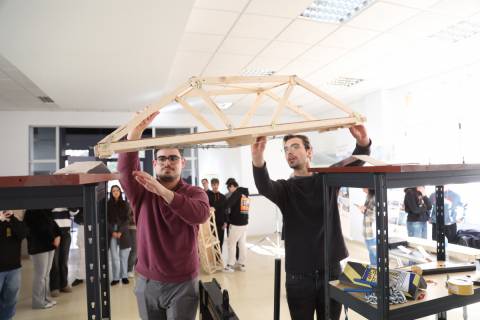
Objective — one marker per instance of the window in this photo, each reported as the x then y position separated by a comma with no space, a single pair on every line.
43,150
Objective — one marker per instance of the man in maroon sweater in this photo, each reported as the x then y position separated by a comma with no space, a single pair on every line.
167,212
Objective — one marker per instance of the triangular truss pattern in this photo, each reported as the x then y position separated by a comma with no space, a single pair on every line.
206,88
209,245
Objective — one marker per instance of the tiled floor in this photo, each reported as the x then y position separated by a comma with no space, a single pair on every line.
251,292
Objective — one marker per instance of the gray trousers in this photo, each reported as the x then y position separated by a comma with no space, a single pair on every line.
42,263
157,300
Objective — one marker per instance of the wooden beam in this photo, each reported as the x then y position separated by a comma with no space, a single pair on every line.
123,130
281,104
238,79
195,113
324,96
253,108
291,106
226,92
213,106
239,134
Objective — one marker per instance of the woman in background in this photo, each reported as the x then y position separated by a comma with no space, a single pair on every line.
118,221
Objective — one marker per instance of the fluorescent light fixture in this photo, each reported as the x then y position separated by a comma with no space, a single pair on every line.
334,10
257,72
456,32
345,81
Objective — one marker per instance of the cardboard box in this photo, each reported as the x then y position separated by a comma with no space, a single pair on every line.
363,275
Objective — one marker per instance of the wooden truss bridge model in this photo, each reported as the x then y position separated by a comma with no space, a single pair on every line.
209,245
207,88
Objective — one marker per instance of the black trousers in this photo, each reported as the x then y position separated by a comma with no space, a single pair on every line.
132,258
220,234
306,296
59,271
450,232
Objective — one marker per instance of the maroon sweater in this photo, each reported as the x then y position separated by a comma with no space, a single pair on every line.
167,247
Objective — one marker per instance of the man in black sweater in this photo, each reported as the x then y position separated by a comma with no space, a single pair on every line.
299,199
12,232
238,203
217,200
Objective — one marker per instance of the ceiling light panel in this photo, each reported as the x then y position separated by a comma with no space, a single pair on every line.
339,11
457,32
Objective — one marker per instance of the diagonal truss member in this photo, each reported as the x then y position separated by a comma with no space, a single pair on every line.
207,87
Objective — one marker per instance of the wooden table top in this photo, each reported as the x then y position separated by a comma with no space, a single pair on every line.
56,180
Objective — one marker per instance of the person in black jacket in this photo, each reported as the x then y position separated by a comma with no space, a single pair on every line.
300,201
42,238
417,207
12,232
217,201
118,212
239,204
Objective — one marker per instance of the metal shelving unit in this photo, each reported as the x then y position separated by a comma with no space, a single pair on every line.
380,178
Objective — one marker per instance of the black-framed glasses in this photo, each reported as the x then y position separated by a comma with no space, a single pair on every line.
171,158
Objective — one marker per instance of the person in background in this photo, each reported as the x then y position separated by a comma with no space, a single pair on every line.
239,204
217,201
59,271
454,212
43,237
12,232
79,272
118,212
417,207
368,210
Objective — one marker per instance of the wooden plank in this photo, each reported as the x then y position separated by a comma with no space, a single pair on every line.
227,92
253,108
324,96
213,106
195,113
281,104
123,130
56,180
291,106
240,79
105,150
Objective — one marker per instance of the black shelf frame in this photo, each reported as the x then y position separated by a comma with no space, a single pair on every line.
380,181
92,198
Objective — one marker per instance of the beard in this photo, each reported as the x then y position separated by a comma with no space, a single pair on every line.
167,177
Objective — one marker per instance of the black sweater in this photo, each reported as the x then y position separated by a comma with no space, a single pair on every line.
11,235
299,200
42,230
119,220
237,217
417,206
217,200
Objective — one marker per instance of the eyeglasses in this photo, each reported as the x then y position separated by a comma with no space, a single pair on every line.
172,158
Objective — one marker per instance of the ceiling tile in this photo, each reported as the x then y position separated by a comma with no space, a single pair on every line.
210,21
285,50
200,42
307,31
419,4
324,54
186,65
423,25
260,27
243,46
227,5
274,64
459,8
382,16
301,67
227,64
348,37
278,8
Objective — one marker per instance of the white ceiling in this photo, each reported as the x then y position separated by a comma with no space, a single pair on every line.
121,55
